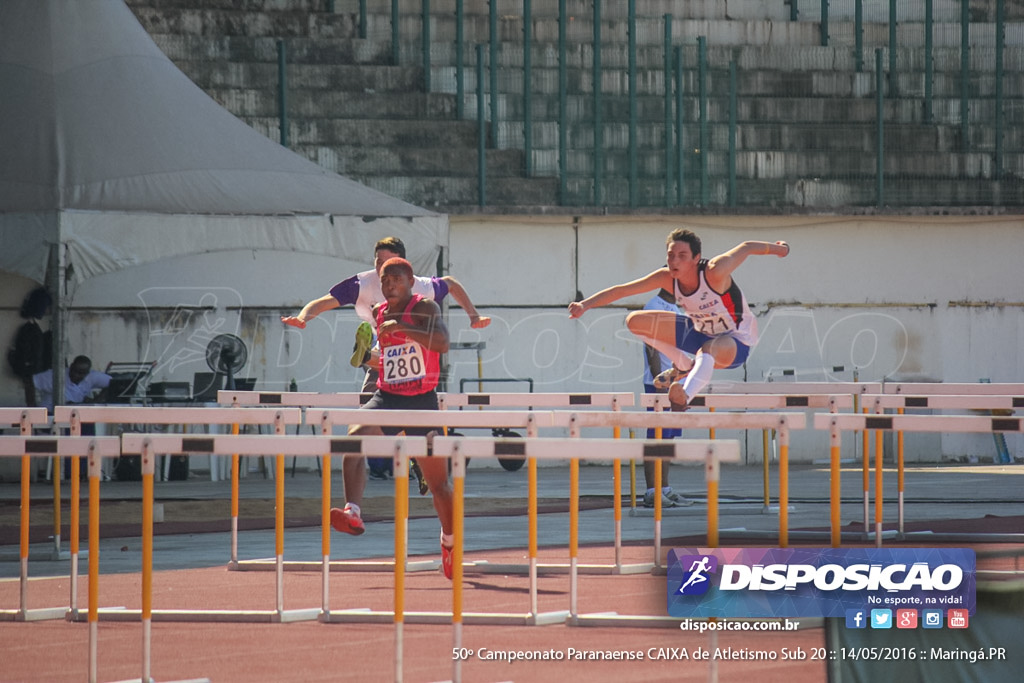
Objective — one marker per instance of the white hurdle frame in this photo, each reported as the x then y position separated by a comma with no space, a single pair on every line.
783,423
25,419
150,415
282,445
945,401
95,448
613,401
907,423
832,402
529,420
26,446
448,401
855,389
940,400
712,453
955,388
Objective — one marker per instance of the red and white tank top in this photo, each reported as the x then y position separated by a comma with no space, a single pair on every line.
716,314
406,367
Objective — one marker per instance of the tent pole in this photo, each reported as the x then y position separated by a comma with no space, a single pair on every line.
55,284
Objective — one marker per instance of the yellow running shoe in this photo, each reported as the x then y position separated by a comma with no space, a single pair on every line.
364,340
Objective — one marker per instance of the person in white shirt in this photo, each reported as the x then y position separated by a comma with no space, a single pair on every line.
80,381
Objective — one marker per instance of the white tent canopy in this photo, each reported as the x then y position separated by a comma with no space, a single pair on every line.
112,152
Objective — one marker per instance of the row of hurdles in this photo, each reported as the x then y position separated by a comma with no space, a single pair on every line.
293,409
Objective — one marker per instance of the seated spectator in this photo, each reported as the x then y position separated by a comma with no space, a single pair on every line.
80,381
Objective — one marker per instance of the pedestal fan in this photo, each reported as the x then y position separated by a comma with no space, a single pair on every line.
226,354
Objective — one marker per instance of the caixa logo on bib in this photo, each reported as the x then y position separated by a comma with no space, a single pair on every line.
789,582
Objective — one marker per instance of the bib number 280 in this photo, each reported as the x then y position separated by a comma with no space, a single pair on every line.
403,364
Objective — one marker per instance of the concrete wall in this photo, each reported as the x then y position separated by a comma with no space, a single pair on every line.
911,298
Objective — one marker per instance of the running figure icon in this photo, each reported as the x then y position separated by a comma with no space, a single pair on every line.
697,573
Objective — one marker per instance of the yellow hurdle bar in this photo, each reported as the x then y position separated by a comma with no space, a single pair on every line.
900,472
865,460
400,467
26,500
879,494
95,469
325,518
458,530
911,423
235,462
835,494
148,469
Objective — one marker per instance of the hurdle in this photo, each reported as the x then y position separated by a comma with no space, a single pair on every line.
449,401
26,419
614,401
831,402
1004,404
75,415
783,423
954,388
281,445
26,446
95,448
530,421
296,399
328,417
909,423
794,388
712,453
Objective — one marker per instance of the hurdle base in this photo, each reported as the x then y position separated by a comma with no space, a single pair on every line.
270,564
44,614
742,532
615,619
190,616
40,614
366,616
184,680
775,509
980,537
739,507
485,567
290,616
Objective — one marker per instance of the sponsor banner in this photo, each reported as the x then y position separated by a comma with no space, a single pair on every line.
817,582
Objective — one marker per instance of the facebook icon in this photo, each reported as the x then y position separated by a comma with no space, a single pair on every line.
856,618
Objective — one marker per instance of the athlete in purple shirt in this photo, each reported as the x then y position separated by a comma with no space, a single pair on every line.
363,291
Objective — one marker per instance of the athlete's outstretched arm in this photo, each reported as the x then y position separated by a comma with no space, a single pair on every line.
458,292
659,279
310,311
721,267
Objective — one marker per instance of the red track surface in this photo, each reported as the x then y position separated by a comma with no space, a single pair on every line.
55,651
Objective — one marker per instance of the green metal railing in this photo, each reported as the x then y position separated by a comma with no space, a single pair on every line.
598,119
641,113
282,91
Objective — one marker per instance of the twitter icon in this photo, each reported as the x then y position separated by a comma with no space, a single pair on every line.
881,618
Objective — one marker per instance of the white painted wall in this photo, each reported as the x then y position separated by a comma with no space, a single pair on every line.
907,297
